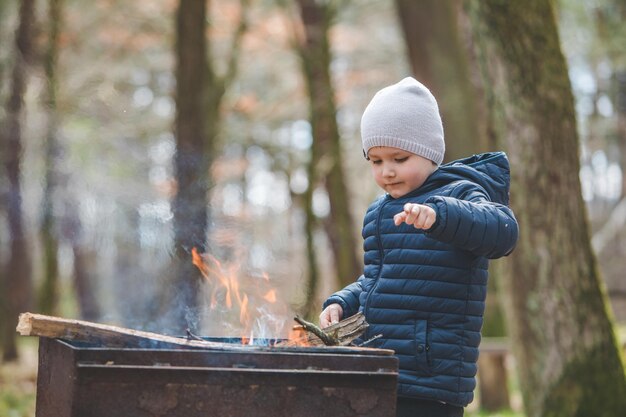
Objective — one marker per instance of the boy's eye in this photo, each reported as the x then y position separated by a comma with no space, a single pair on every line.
401,160
376,162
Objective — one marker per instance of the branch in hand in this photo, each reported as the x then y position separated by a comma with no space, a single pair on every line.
339,334
310,327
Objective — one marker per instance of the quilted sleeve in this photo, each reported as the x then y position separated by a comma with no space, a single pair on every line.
474,223
347,298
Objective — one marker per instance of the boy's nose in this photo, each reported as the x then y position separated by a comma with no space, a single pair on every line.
388,172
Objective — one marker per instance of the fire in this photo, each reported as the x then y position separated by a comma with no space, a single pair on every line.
226,286
298,337
244,316
270,296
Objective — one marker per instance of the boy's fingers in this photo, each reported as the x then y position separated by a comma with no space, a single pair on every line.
331,315
429,221
414,213
422,220
399,218
323,320
421,217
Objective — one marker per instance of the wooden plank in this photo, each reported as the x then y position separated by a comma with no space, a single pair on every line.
104,335
31,324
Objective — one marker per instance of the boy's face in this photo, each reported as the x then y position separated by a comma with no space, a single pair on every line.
399,172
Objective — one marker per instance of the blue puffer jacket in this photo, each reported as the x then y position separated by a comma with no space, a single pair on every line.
425,291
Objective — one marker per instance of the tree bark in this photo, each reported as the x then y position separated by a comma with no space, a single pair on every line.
310,224
438,59
3,63
190,160
49,292
620,81
17,276
327,165
563,339
84,264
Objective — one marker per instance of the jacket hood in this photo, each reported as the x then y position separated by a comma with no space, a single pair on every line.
489,170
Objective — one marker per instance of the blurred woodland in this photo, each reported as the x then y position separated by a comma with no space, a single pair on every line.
133,132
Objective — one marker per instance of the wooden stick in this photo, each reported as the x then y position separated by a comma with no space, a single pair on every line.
338,334
327,339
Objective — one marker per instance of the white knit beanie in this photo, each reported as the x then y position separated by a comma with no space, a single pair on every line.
406,116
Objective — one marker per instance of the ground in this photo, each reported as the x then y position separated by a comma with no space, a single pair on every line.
18,382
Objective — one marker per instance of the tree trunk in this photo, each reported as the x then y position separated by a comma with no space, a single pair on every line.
316,56
438,60
3,63
191,168
17,276
620,78
84,262
568,360
310,224
49,292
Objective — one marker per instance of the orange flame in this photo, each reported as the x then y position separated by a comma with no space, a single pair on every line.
298,337
225,281
197,261
270,296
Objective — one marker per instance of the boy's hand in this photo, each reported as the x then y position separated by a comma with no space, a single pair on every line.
331,315
418,215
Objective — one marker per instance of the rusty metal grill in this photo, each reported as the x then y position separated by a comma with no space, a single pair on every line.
82,380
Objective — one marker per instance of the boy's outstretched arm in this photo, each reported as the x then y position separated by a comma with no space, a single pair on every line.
472,222
475,223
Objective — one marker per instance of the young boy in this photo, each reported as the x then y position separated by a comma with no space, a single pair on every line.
427,242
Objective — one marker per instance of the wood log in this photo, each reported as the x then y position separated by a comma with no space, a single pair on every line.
31,324
339,334
104,335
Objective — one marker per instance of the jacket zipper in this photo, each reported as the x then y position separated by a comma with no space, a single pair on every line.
380,269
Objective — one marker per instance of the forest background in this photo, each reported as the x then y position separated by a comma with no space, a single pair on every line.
133,132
